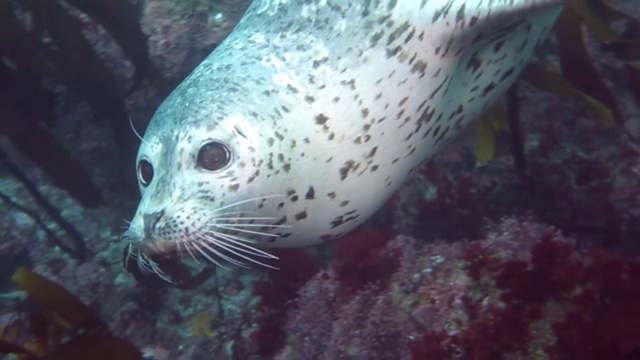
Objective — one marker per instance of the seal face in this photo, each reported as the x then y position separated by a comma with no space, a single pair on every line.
311,114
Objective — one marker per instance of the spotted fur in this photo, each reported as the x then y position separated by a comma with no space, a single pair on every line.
326,107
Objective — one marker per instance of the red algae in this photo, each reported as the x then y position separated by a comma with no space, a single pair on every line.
525,291
362,258
296,267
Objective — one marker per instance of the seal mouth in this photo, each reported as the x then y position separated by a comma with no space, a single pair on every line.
230,236
144,262
218,248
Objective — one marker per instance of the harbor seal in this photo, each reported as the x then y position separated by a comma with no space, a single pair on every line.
311,113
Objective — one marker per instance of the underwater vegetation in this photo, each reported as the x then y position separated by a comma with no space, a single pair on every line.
47,54
577,73
525,291
45,48
53,324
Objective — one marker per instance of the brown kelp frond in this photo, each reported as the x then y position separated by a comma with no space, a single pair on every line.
59,326
46,50
578,67
547,79
578,75
78,247
120,19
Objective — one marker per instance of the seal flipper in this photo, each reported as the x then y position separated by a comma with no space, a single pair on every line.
491,44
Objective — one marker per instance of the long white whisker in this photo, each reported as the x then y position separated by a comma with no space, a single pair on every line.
205,255
247,201
143,263
232,249
242,213
243,218
237,240
222,255
156,269
215,238
188,248
240,243
129,254
246,231
252,225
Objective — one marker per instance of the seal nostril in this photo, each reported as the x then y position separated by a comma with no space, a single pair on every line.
150,221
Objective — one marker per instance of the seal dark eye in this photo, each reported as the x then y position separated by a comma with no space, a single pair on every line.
145,172
213,156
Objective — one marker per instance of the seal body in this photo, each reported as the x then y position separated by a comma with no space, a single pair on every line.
317,112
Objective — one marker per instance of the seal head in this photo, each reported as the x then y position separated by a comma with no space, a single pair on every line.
304,121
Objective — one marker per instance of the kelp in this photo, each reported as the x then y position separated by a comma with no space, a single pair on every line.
78,247
577,67
486,127
578,76
45,47
545,78
58,326
121,19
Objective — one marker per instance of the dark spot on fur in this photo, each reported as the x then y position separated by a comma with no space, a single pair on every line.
311,193
321,119
301,215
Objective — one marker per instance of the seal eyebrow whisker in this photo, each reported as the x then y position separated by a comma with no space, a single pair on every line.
136,131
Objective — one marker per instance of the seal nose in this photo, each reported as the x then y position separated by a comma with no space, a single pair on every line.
150,221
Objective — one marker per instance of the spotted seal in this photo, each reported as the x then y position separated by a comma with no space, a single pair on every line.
308,117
